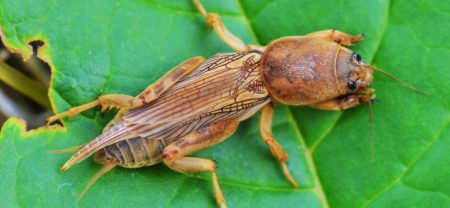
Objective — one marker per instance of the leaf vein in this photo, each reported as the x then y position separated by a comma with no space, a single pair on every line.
408,167
325,134
310,162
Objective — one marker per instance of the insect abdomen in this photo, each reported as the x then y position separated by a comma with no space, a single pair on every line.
133,153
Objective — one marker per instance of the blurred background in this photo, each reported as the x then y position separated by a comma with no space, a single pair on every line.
24,87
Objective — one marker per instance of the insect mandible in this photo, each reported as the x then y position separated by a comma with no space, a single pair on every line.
200,103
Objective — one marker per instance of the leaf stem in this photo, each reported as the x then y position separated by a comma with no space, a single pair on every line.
33,89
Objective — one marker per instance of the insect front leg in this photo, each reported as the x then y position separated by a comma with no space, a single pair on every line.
174,154
342,103
265,127
127,102
338,37
214,21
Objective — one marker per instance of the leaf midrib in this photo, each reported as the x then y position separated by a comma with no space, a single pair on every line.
310,161
309,152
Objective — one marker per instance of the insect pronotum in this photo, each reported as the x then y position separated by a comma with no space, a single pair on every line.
200,103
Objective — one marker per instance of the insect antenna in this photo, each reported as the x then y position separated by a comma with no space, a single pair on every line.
371,128
406,85
110,164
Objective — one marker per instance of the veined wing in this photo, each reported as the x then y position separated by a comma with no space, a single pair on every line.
242,109
226,86
221,81
119,132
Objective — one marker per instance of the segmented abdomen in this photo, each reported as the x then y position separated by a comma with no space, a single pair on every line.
133,153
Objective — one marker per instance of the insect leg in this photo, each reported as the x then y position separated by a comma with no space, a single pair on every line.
265,127
156,89
341,103
213,20
170,78
338,37
126,102
106,101
174,154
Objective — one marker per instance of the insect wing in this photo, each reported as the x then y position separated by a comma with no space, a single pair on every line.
217,89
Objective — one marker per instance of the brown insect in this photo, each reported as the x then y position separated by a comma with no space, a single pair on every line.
200,103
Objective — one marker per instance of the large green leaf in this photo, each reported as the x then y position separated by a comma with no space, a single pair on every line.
108,46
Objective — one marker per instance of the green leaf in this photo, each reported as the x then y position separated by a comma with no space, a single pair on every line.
107,46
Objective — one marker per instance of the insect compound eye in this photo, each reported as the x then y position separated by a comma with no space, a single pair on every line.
351,85
356,56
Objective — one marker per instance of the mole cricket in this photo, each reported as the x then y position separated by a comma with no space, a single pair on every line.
199,103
